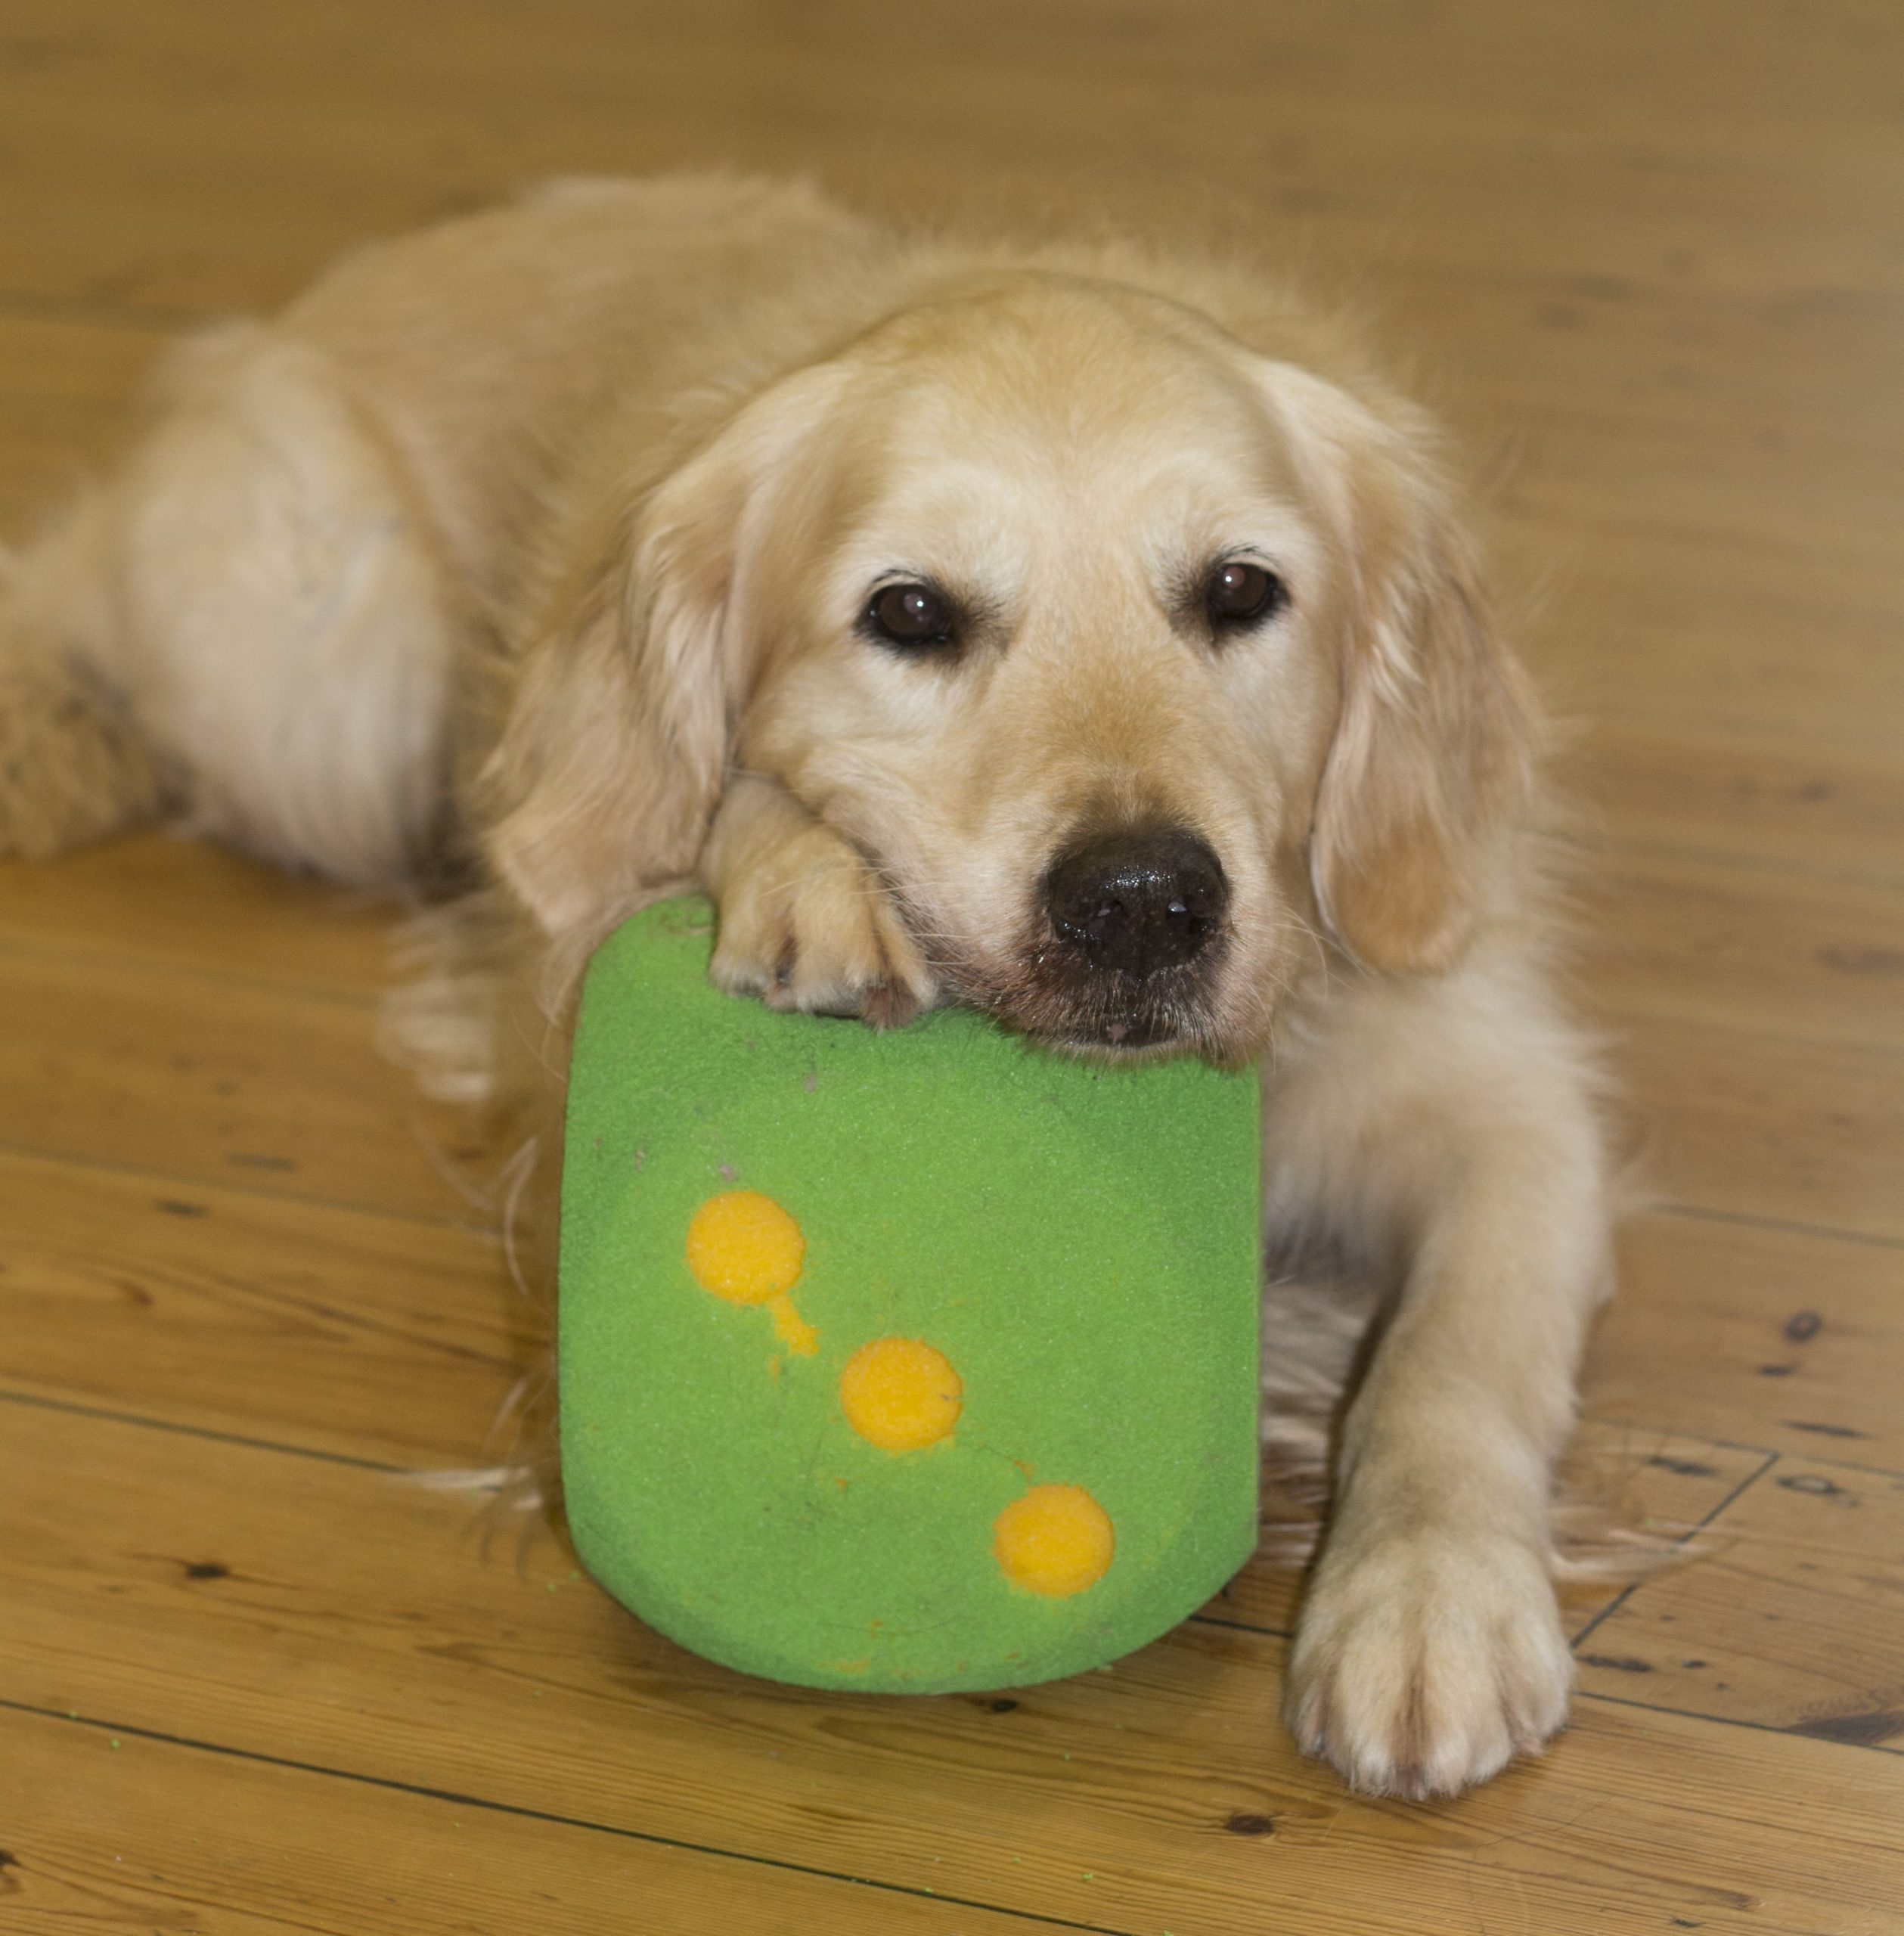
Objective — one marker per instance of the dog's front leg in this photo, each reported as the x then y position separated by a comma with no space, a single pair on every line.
804,924
1456,1123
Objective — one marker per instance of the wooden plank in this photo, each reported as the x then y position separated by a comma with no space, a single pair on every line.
345,112
110,1832
217,1080
1780,1339
1791,1622
367,1336
352,1624
1692,942
1680,787
187,904
1765,1126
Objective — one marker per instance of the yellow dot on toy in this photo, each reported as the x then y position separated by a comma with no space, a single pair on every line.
742,1246
1056,1540
900,1394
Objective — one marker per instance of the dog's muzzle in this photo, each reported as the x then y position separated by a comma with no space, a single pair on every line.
1135,920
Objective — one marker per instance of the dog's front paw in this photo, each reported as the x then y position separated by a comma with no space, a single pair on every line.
1424,1663
804,924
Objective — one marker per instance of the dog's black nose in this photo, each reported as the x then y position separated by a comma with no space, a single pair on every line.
1136,902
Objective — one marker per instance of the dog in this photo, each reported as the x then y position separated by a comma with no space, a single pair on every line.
1083,633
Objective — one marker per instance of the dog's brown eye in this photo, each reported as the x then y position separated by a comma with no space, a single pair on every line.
910,615
1240,593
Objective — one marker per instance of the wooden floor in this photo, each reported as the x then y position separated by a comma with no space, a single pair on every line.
1650,261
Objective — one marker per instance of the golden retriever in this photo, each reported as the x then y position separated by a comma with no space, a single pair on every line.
1082,633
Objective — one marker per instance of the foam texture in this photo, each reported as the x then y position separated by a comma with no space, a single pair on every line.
1065,1254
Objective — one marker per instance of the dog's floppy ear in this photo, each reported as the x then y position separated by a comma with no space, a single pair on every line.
1431,765
614,749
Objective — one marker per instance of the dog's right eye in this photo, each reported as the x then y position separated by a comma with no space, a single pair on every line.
909,615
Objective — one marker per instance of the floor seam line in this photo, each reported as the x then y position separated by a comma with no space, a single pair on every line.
392,1785
213,1434
1614,845
1802,1455
1679,1545
38,305
1735,1720
19,947
173,1181
1746,1220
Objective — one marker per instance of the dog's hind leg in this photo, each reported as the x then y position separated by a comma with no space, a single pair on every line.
247,625
74,766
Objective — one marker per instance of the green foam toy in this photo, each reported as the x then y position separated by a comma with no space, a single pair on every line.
900,1363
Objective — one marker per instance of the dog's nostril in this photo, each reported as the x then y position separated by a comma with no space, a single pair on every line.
1138,902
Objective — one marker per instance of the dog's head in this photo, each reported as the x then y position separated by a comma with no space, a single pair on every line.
1127,655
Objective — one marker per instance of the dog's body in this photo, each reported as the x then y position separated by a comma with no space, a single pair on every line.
1076,633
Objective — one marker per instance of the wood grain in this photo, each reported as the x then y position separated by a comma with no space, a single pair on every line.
217,1079
1768,1126
283,1606
1683,789
1688,942
257,1845
1787,1340
368,1336
184,904
1791,1621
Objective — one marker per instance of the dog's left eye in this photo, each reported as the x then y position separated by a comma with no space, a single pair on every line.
1240,594
909,614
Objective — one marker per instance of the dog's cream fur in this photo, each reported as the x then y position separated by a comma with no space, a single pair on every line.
534,545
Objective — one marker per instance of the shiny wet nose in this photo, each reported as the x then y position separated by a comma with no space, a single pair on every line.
1138,902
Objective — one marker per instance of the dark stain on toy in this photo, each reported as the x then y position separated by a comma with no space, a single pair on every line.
1688,1468
1870,1730
1684,1922
1619,1663
1776,1370
1817,1484
1004,1704
172,1207
1803,1326
1251,1825
1828,1430
206,1569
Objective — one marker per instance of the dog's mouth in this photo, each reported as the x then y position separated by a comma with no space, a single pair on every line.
1048,988
1120,1014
